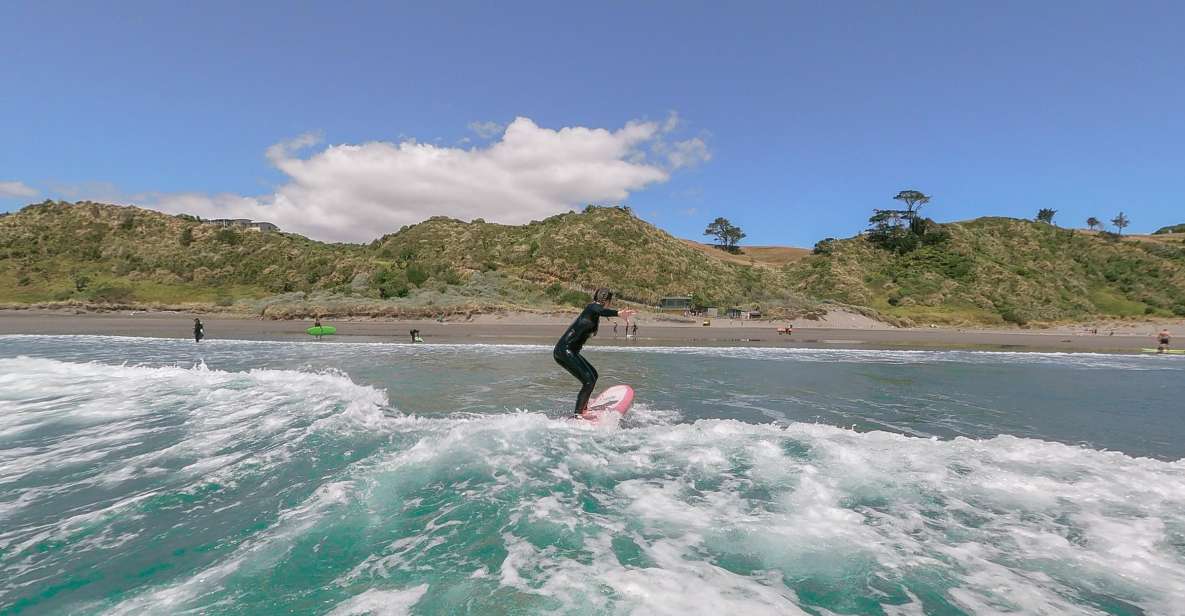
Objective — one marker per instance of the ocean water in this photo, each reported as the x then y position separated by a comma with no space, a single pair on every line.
146,476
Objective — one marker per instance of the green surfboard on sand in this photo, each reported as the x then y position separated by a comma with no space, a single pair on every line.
1168,352
323,330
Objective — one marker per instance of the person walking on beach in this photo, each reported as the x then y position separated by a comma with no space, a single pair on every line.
635,332
1163,339
199,332
567,349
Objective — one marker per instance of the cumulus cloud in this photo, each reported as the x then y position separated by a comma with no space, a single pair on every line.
688,153
285,149
485,130
358,192
17,189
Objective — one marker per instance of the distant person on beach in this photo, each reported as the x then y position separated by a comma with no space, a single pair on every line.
199,332
635,331
317,323
1163,338
567,349
615,329
415,336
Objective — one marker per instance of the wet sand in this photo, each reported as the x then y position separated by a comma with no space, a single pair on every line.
544,329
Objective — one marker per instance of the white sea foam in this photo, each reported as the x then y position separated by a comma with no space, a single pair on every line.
658,517
1016,524
99,447
381,602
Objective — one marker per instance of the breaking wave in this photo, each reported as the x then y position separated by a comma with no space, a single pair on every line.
169,490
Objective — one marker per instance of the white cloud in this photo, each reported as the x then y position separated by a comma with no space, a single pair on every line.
672,122
284,149
17,189
485,130
688,153
358,192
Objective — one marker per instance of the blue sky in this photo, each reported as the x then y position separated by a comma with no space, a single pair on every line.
794,120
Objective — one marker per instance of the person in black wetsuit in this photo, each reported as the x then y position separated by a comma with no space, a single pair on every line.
567,350
199,332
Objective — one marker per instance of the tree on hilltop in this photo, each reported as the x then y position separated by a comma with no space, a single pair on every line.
913,200
1120,222
727,234
1045,215
1093,222
904,230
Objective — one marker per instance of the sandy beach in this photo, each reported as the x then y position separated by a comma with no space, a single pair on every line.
838,330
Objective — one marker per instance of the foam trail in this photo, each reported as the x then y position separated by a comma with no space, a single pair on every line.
95,471
167,490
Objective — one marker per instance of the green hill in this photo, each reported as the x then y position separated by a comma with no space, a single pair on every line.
602,246
990,270
1170,229
993,270
96,254
90,252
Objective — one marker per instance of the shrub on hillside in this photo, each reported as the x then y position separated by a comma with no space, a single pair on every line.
389,283
824,246
578,299
416,275
1012,314
227,236
110,293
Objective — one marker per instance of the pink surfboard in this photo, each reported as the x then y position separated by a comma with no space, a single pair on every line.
616,399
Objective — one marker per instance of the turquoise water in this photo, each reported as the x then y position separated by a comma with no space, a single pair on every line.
163,477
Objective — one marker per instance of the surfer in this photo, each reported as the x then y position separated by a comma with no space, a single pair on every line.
317,325
1163,338
199,332
567,349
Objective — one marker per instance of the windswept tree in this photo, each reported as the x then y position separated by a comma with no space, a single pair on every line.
913,200
727,235
1120,222
905,230
1045,215
1093,222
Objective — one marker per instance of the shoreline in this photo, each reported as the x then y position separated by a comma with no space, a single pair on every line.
545,329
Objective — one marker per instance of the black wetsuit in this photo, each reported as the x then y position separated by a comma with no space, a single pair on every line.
198,333
567,350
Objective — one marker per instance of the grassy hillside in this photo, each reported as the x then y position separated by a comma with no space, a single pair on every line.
1170,229
599,247
93,252
754,255
994,270
103,254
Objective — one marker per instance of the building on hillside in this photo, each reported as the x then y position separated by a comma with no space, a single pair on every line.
674,304
246,223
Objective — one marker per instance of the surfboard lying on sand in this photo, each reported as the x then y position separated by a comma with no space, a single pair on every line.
616,399
1167,351
323,330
